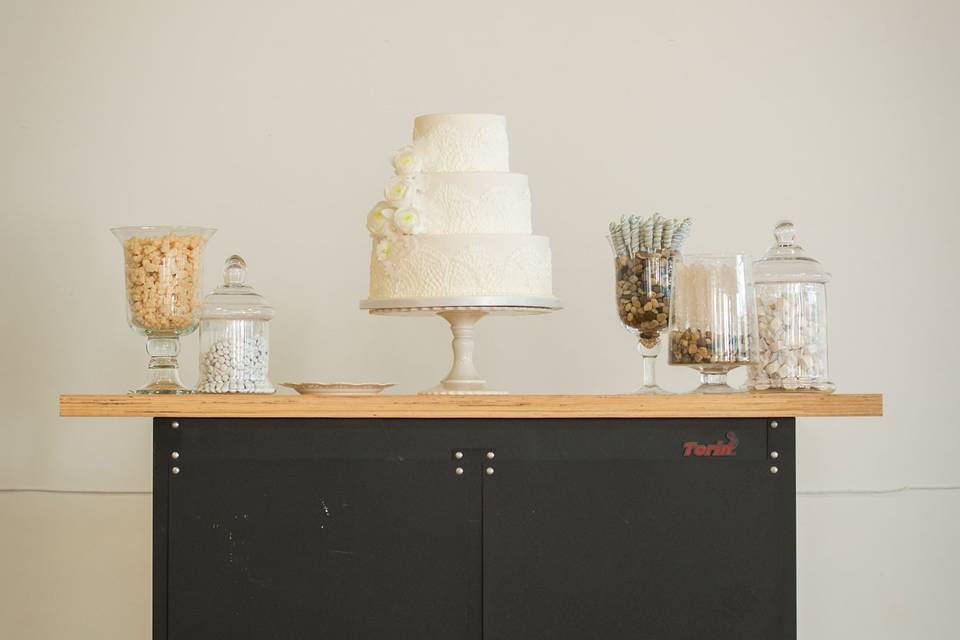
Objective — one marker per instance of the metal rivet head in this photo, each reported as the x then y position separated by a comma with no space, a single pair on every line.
458,455
489,471
175,455
458,471
175,470
774,424
491,455
175,424
774,470
774,454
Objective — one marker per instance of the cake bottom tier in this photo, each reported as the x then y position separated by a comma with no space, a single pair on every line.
428,266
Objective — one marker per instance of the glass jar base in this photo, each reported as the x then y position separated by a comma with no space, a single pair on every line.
148,390
652,390
714,381
164,379
715,388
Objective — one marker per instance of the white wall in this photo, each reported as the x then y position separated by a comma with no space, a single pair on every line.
273,122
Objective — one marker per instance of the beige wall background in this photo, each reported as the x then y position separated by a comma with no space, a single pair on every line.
274,122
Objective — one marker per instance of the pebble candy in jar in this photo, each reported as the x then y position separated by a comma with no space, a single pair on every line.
792,319
234,337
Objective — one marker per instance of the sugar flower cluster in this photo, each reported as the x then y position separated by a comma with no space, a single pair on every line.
399,213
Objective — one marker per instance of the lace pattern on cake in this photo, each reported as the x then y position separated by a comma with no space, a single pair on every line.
425,271
447,148
498,210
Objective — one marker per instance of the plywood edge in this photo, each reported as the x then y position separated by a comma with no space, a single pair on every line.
764,405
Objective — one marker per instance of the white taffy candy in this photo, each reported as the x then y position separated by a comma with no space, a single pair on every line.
235,366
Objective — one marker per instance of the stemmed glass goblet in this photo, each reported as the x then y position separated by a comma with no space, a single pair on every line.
644,286
162,277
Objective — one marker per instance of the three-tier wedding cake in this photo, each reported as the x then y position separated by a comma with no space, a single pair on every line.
455,222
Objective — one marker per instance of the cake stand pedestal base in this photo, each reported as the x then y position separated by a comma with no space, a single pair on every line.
464,379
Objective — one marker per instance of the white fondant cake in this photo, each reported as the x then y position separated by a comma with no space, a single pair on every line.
463,265
455,221
473,202
462,142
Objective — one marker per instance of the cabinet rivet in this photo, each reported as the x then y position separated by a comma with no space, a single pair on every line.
489,471
774,454
458,455
774,470
175,470
175,455
458,471
774,424
175,425
491,455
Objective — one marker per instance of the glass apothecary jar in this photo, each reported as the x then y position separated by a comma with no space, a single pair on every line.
234,336
792,318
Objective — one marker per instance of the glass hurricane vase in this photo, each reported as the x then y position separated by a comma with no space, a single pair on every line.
162,282
713,325
644,288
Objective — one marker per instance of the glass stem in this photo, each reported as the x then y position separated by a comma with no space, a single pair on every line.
649,365
163,373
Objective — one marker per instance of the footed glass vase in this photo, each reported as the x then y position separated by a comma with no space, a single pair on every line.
644,290
713,328
162,280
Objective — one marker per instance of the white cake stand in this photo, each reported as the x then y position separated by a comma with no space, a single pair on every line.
463,314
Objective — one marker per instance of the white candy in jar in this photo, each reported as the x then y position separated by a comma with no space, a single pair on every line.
235,366
789,337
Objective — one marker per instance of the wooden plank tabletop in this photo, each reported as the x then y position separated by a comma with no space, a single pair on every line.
745,405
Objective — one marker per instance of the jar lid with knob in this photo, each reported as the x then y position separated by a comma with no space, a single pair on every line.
235,298
786,260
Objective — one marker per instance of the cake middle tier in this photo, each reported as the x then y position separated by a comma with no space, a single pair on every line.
466,203
428,266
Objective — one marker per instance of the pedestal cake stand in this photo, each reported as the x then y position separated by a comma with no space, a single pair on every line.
463,314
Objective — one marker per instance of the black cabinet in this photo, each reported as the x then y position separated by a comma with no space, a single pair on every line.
468,529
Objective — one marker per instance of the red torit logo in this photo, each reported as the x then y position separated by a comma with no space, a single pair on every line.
721,448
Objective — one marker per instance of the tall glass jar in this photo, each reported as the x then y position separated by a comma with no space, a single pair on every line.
713,318
792,318
234,336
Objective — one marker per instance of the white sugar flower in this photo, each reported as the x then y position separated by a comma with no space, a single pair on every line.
378,220
407,161
384,249
398,190
408,221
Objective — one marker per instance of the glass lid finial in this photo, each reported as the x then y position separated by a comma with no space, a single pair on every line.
234,271
785,233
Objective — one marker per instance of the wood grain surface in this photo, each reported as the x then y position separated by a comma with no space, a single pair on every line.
747,405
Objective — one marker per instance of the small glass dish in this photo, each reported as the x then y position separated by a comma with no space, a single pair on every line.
338,388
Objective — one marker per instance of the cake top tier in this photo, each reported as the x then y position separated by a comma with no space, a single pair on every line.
462,142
